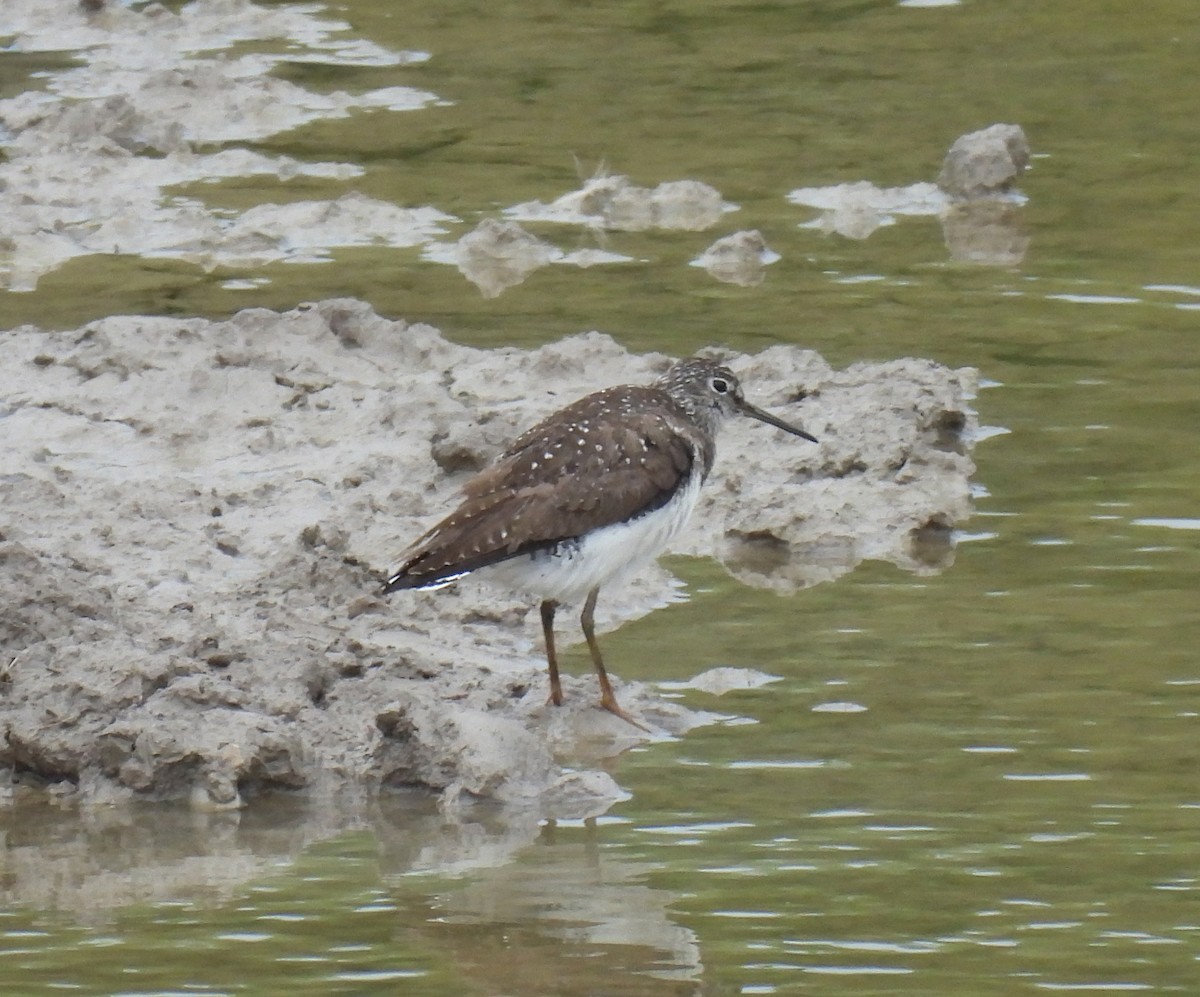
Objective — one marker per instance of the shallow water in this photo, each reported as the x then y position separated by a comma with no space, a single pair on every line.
983,781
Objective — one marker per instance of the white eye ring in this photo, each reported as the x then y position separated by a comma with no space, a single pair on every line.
719,385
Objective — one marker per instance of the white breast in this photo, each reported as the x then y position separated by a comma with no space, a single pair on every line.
602,557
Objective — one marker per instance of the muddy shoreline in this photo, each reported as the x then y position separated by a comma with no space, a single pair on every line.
196,515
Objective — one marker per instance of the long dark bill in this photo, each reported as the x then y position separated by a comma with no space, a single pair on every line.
756,413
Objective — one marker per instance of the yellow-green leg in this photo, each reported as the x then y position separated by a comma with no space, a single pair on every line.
608,701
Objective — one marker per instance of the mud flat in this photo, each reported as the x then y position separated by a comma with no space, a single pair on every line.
195,516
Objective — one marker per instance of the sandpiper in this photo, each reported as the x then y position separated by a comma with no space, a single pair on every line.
586,498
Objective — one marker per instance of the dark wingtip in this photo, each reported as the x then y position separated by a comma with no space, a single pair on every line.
396,580
408,579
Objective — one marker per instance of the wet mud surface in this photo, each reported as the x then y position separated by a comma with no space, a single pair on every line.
196,516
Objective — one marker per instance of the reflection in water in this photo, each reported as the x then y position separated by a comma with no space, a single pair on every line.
974,198
566,917
495,256
990,232
524,910
741,259
105,858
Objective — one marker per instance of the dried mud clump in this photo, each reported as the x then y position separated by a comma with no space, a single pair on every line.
195,515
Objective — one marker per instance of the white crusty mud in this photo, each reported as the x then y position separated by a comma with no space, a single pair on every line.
609,201
975,199
740,258
195,516
153,98
985,163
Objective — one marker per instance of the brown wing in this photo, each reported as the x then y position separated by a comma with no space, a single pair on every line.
609,457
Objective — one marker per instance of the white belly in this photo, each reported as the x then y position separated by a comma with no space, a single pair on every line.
602,557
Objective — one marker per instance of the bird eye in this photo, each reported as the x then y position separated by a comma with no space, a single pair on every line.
719,385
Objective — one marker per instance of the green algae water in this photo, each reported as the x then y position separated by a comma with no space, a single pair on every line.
984,781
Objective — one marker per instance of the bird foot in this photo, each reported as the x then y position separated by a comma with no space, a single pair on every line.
614,708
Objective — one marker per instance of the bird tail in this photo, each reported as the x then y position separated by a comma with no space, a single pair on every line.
440,561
